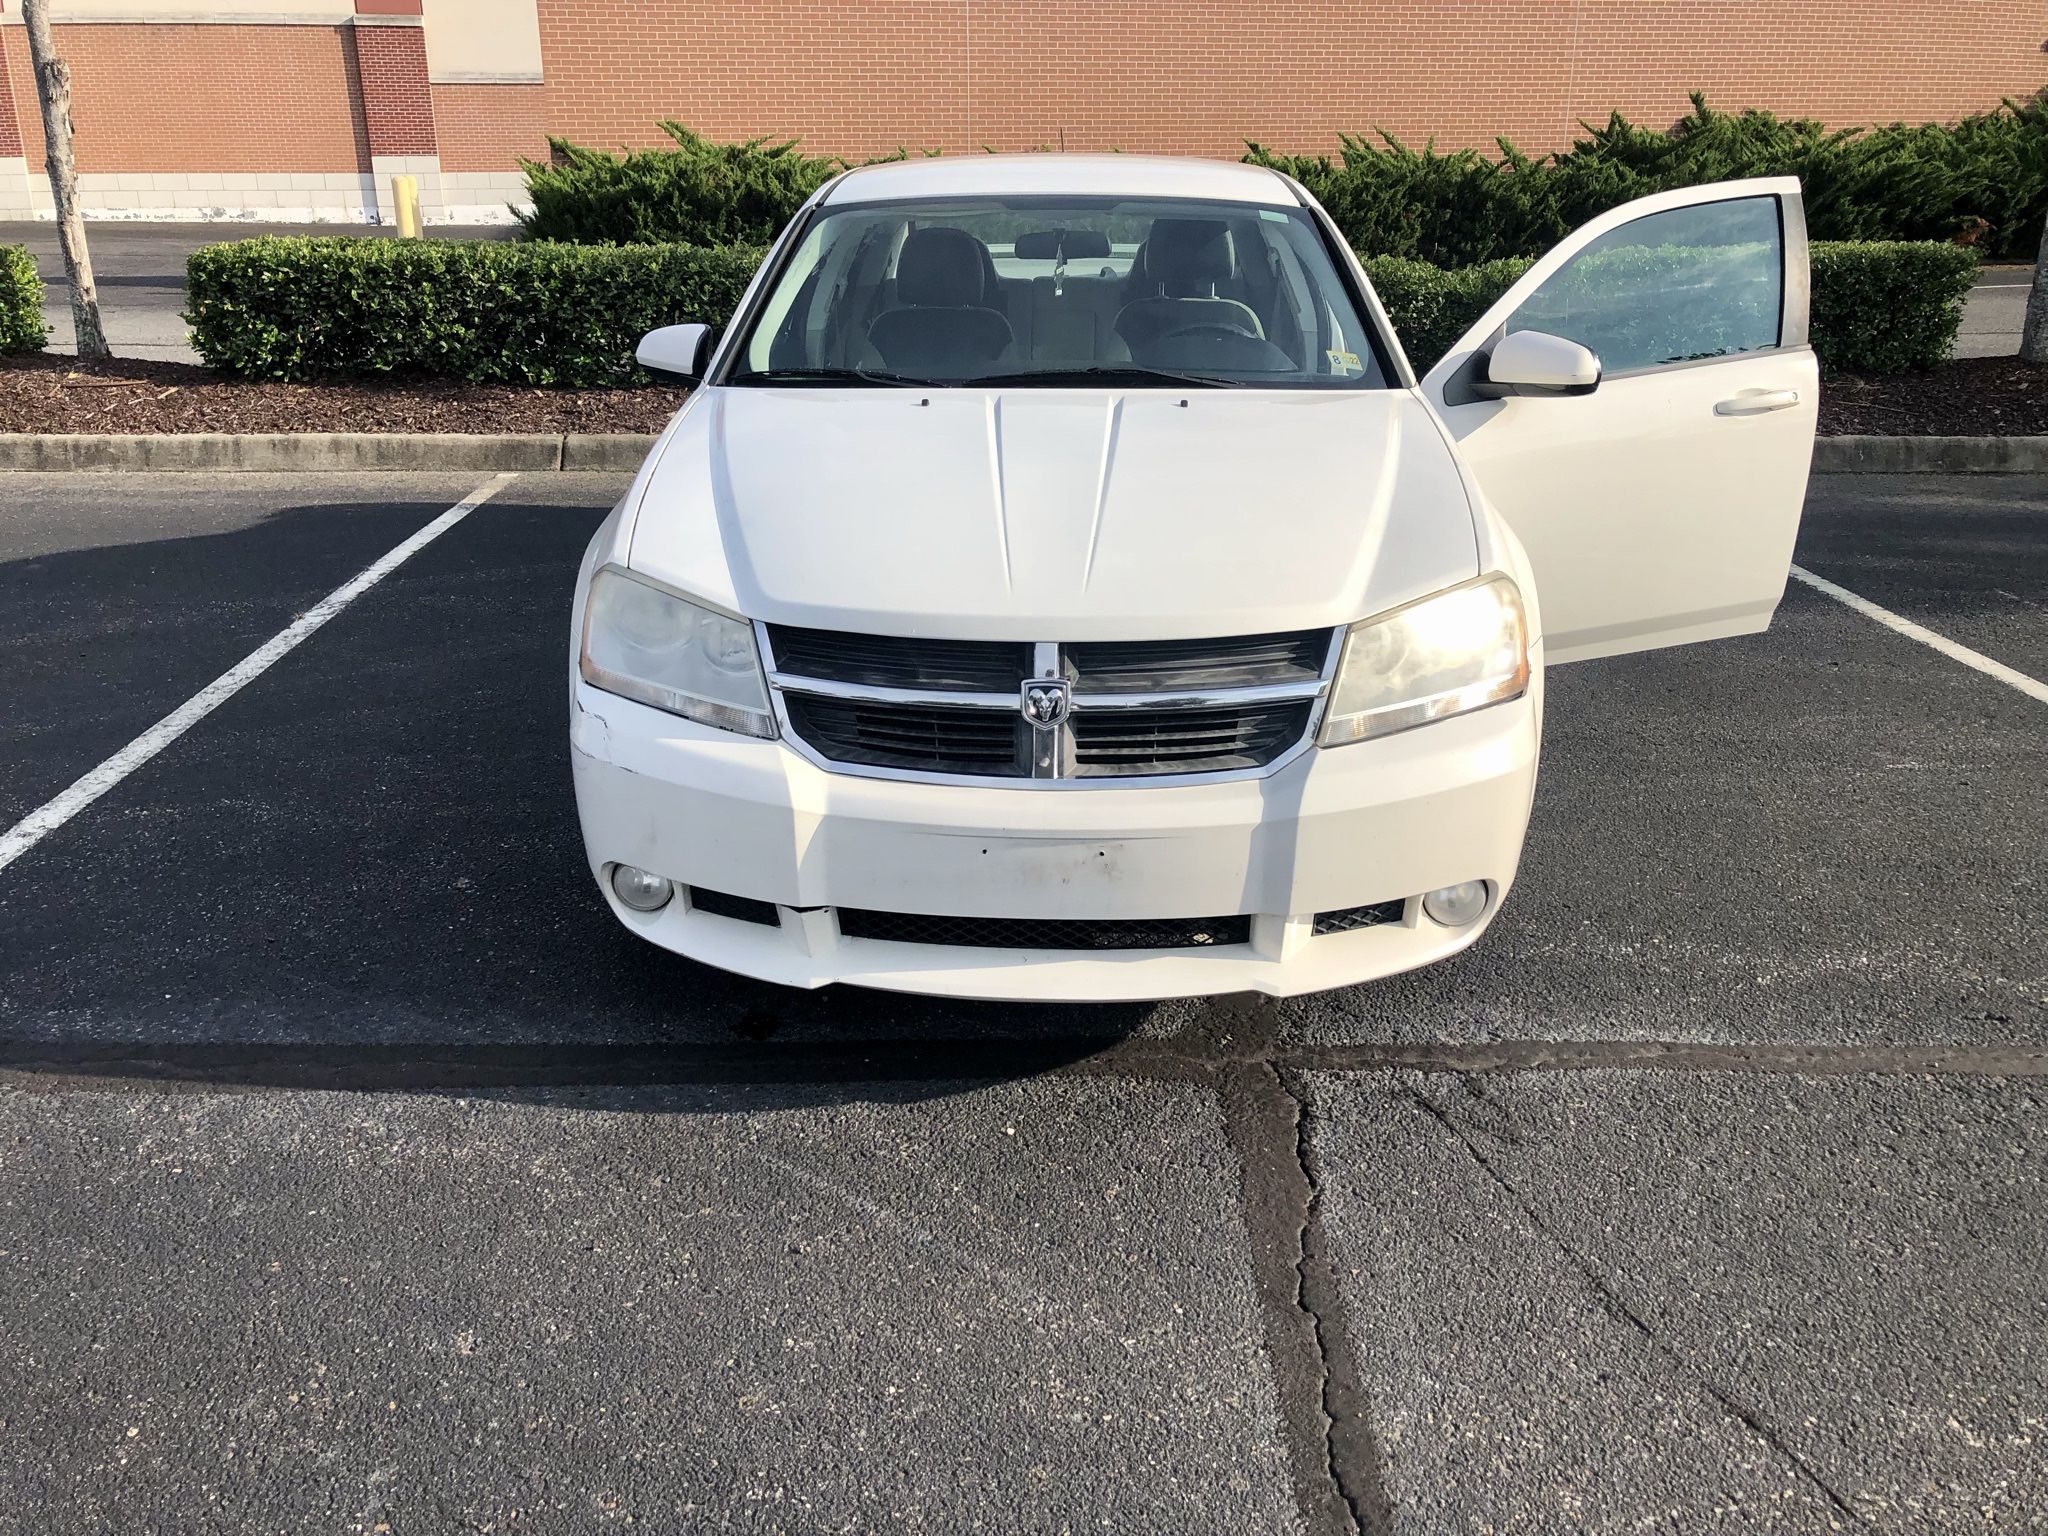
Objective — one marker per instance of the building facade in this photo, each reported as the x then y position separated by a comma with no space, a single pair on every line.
304,109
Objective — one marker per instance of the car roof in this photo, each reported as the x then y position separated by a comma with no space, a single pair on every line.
1061,175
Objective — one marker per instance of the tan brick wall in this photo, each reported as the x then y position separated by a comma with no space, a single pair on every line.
488,127
205,98
1200,77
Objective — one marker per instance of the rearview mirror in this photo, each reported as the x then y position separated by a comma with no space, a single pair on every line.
680,351
1537,363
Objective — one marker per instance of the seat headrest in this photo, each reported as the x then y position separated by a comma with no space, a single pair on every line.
946,268
1189,256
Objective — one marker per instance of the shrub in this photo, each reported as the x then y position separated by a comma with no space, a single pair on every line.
1985,177
569,315
490,311
1886,306
21,302
698,193
1431,307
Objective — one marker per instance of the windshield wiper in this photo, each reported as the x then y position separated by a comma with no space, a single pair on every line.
1120,373
830,376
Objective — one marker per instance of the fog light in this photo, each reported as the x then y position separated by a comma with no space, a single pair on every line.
641,889
1455,906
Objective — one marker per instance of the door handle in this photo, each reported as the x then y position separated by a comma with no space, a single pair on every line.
1756,404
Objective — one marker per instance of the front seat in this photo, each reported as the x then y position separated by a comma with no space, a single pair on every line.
945,327
1179,267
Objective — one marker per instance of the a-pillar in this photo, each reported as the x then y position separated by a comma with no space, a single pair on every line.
398,108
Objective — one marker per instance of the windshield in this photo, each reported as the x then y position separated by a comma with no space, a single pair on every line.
1061,291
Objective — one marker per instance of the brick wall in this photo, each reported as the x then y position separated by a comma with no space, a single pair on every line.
12,128
858,78
209,98
391,64
488,127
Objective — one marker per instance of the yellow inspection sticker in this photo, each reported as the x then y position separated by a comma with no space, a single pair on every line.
1344,362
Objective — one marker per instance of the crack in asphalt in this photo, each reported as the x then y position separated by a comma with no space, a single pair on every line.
1351,1454
1337,1480
1616,1306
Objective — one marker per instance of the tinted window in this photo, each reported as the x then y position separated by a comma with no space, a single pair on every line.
1038,290
1704,281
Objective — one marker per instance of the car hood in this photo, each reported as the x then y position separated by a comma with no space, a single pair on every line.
1054,514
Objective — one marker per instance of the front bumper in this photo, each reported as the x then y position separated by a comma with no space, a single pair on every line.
1374,822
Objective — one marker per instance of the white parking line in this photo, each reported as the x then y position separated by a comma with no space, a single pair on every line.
45,819
2032,687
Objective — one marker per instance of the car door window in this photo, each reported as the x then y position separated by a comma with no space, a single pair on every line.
1697,282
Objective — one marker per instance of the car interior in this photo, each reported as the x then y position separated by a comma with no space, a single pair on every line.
1212,290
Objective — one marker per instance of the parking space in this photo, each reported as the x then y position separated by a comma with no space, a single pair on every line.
1818,1298
772,1307
357,1161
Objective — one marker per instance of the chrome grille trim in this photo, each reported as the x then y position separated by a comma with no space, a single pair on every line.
1051,659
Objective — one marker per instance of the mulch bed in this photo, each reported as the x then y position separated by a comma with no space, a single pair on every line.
50,394
1977,397
1993,396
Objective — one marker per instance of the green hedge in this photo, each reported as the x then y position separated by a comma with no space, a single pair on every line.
569,315
21,302
1984,178
1887,306
494,312
698,193
1431,307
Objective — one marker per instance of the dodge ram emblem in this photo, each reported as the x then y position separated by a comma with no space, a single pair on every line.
1046,702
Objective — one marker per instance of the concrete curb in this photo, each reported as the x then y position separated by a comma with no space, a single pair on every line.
313,452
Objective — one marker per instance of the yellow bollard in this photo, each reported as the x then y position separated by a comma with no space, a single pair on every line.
405,194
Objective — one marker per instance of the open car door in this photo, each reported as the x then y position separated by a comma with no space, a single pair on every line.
1657,489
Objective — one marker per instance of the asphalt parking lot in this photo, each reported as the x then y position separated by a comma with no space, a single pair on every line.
358,1173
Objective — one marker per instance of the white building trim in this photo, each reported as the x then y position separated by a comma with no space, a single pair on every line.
303,197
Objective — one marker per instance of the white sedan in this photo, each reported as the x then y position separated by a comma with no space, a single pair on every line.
1060,585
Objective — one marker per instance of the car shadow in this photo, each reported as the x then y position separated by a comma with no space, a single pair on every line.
364,871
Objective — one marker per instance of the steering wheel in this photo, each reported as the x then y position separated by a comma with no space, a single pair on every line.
1214,329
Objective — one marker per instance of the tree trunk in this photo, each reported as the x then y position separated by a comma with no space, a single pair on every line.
53,90
2034,338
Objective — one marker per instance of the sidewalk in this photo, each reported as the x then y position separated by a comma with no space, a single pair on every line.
1995,313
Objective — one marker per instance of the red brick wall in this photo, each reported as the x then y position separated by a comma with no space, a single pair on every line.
858,78
398,112
200,98
10,123
488,127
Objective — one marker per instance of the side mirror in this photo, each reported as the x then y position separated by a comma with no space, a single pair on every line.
681,351
1537,363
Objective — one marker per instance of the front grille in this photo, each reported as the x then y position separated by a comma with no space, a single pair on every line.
932,738
1161,666
954,707
890,661
1045,933
1349,919
746,909
1126,742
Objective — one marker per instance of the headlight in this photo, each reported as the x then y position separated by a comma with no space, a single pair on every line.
646,644
1441,656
